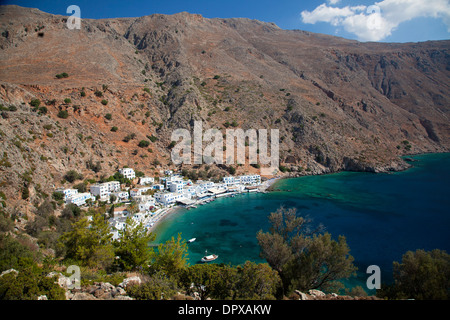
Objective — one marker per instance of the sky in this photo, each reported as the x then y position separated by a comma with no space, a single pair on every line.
363,20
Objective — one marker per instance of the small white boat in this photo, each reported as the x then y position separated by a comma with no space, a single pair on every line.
209,258
192,240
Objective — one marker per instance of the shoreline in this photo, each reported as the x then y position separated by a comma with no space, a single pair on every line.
162,216
265,187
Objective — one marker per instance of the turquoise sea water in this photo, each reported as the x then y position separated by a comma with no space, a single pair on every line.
381,215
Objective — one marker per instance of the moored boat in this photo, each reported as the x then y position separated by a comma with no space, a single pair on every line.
209,258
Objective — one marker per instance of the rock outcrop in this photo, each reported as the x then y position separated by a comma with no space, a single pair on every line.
319,295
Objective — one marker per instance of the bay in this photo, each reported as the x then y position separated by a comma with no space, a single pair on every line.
381,215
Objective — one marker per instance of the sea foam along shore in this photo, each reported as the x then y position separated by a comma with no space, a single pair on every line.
164,213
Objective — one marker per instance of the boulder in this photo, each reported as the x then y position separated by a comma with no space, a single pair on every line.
9,271
123,298
316,293
63,281
83,296
302,296
129,281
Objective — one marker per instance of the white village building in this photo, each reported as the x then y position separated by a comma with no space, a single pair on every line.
146,180
67,192
127,173
79,199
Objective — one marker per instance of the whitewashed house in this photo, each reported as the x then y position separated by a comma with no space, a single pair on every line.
203,186
147,205
189,189
67,192
104,190
254,179
173,179
229,181
167,198
139,191
120,196
120,212
79,199
128,173
176,187
100,190
146,180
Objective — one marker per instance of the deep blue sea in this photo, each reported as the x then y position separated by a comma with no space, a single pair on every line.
381,215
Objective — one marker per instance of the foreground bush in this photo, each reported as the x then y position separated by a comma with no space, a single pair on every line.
421,275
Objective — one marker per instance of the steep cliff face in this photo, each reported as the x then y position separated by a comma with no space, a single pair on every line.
339,104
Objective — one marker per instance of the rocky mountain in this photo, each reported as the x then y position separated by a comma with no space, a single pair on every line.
73,98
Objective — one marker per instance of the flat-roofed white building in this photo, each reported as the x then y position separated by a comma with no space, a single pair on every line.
158,187
147,205
173,179
250,179
146,180
100,190
203,186
139,191
104,190
113,186
176,187
167,198
229,181
120,195
127,173
142,198
120,212
67,192
79,199
189,189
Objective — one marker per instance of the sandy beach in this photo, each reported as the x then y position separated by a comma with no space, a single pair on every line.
161,216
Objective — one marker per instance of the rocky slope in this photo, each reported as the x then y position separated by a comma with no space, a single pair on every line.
339,104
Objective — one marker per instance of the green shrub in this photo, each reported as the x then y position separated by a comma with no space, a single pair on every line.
63,114
108,116
104,102
72,175
158,287
35,103
114,129
62,75
67,100
143,144
43,110
421,275
57,196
